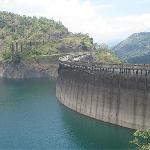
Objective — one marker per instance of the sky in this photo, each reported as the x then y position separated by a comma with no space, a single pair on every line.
107,21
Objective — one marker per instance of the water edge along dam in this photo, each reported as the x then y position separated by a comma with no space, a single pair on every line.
114,93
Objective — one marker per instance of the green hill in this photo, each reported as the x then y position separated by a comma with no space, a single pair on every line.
145,59
135,49
26,37
105,55
45,35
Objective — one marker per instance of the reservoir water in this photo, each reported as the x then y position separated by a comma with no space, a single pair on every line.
32,118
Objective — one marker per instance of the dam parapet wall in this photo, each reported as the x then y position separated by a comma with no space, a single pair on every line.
72,62
114,93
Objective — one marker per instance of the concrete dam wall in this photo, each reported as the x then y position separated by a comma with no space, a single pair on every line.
119,97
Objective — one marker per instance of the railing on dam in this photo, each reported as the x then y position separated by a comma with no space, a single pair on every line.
114,93
137,69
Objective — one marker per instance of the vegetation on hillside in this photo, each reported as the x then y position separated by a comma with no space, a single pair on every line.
23,37
104,54
145,59
141,140
135,48
14,27
23,30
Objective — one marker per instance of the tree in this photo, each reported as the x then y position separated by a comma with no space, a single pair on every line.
141,140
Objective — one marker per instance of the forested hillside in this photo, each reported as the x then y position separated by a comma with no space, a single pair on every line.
135,49
105,55
145,59
25,37
45,36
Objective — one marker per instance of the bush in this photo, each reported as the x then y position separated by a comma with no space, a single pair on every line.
141,140
6,55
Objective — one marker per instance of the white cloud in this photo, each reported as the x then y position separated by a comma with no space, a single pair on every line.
82,17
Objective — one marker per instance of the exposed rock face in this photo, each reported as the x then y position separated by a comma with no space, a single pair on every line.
68,48
28,69
57,36
1,69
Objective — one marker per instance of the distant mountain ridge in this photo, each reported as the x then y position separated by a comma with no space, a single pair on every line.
134,49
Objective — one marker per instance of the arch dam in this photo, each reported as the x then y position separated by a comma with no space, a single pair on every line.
114,93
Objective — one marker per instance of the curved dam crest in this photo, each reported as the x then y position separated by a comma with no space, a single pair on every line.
118,94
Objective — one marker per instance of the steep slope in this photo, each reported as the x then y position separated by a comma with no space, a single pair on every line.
135,49
33,37
107,56
145,59
24,30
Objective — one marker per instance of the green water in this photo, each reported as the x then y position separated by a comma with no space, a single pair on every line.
32,118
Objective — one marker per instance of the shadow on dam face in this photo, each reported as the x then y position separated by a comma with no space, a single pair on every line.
121,99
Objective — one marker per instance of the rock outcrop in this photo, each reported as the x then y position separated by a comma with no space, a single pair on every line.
29,69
